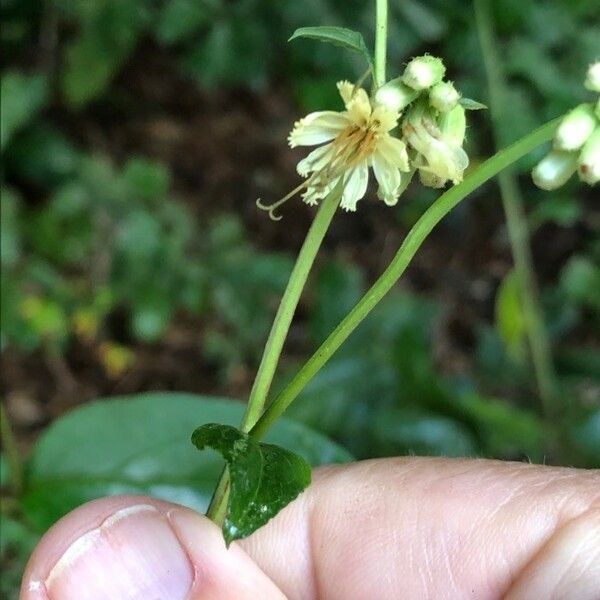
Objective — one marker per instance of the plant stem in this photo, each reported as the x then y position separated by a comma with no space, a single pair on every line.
381,23
218,505
287,308
417,235
516,221
12,452
289,301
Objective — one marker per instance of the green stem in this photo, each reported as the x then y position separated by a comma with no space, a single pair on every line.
516,221
381,23
417,235
12,452
218,505
287,308
281,324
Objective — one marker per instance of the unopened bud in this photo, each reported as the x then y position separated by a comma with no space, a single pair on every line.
589,159
592,80
453,125
395,95
443,96
554,170
575,128
423,72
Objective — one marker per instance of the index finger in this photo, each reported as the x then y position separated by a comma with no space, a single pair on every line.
433,528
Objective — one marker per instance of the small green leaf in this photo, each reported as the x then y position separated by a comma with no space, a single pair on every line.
22,97
470,104
264,478
510,322
338,36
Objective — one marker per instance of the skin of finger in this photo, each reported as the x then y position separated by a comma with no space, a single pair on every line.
567,566
419,528
219,573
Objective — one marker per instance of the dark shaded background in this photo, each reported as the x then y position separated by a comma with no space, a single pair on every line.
137,135
135,138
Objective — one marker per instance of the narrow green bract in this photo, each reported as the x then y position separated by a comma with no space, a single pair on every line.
264,478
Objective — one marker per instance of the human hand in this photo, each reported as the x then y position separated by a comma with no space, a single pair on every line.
410,528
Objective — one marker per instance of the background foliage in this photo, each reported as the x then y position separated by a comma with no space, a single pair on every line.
135,136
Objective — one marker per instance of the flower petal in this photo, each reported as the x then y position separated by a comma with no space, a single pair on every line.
359,108
313,194
346,90
388,178
317,127
388,119
394,151
316,160
355,186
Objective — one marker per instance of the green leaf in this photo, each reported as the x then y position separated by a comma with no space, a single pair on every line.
505,430
469,104
146,178
10,230
338,36
584,436
21,98
16,545
413,432
580,281
140,445
180,20
510,321
264,478
108,35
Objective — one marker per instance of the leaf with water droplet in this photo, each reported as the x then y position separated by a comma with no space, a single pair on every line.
264,478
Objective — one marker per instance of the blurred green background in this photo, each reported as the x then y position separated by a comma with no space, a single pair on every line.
135,137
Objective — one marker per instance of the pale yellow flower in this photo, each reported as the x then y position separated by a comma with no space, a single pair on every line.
354,139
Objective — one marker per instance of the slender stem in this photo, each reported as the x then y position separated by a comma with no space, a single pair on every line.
264,377
12,452
287,308
381,23
516,222
417,235
218,505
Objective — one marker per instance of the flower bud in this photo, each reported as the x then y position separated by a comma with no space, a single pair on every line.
443,96
423,72
395,95
453,125
575,128
554,170
439,144
589,159
592,80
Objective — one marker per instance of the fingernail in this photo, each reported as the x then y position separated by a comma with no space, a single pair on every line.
133,554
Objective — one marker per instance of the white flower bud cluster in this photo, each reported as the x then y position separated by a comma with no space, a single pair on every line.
576,145
434,121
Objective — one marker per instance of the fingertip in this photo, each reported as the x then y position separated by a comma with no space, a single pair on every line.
139,548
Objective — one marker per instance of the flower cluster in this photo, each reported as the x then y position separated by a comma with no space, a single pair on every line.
414,122
576,145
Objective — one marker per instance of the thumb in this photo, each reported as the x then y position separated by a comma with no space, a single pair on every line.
137,548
